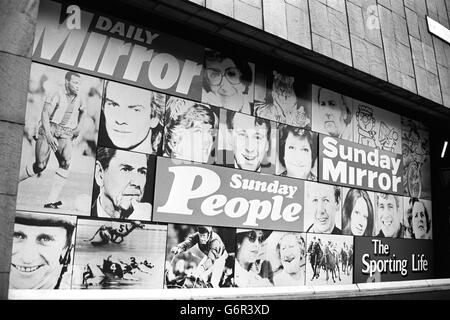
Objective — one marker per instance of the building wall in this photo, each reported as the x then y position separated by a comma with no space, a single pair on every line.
17,24
388,39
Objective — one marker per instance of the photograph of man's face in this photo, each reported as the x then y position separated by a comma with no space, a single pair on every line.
40,243
228,82
250,141
389,214
121,177
129,116
331,113
190,130
322,209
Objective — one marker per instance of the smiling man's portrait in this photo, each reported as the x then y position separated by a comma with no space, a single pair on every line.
42,251
248,143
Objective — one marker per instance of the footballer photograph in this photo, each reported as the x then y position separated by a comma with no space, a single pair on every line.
59,141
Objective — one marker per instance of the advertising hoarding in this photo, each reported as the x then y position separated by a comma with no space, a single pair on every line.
204,194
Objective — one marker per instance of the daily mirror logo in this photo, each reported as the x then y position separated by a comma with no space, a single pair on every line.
70,37
350,164
211,195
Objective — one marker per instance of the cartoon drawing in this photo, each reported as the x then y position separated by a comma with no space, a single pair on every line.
415,152
284,107
366,123
387,137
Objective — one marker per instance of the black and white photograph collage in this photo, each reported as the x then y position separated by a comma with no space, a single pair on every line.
86,181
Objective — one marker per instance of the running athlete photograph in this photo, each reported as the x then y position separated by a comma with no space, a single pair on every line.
58,151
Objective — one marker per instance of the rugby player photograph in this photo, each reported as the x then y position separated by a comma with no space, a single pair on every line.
199,256
59,142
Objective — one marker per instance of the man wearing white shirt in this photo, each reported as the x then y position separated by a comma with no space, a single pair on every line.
121,177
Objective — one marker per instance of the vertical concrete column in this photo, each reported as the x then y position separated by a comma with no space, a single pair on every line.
17,25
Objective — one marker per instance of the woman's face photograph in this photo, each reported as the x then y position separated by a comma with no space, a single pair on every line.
290,252
359,217
419,223
297,156
250,247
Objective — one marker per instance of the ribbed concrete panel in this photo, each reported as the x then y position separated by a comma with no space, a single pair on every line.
249,12
424,56
397,49
15,74
329,28
11,141
17,23
365,36
297,19
7,207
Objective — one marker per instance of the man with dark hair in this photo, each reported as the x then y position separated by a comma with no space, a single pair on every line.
250,140
389,216
121,177
59,126
212,247
226,82
41,253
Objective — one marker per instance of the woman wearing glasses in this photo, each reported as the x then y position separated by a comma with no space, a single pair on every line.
226,82
249,269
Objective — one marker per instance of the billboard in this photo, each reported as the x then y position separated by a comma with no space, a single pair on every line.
112,48
152,162
204,194
380,260
350,164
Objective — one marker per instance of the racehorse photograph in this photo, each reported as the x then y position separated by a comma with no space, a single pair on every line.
113,254
329,259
